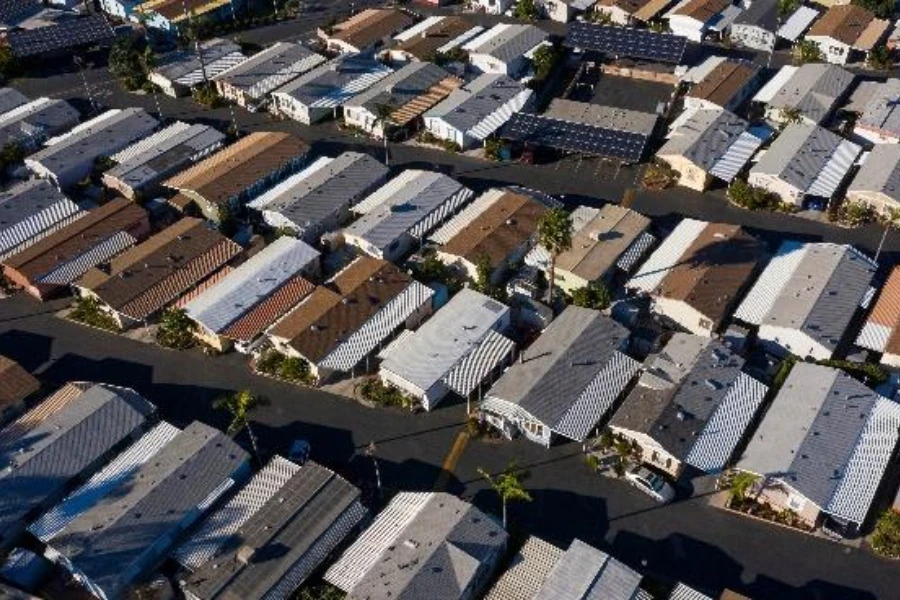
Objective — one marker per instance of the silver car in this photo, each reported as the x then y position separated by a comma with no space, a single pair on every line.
650,483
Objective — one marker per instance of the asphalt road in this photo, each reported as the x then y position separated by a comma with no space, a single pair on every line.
688,540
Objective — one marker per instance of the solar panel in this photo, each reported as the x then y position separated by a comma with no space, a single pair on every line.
60,36
626,42
575,137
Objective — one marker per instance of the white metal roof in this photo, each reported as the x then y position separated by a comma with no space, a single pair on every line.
738,154
89,124
797,23
461,39
150,142
464,217
260,202
699,73
768,91
835,170
418,28
667,255
527,572
764,293
683,592
469,373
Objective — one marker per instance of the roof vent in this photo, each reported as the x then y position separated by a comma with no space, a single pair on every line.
411,544
245,554
681,415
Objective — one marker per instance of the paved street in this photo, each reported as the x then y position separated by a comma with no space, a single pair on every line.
688,540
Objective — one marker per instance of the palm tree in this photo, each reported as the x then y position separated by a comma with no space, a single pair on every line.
554,233
238,405
383,114
508,486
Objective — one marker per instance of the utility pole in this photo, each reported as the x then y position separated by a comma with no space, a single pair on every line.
371,449
87,89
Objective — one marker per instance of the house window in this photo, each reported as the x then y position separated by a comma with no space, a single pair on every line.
705,323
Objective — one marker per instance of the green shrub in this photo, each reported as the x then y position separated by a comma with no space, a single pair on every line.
886,539
373,390
176,330
88,311
595,296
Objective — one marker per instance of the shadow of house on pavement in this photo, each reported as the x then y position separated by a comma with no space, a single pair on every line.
31,350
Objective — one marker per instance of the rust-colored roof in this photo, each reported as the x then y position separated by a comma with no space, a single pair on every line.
629,6
703,10
269,310
371,26
16,383
156,265
232,170
425,45
332,313
713,270
420,104
499,230
175,10
844,23
724,82
77,237
886,311
651,9
597,247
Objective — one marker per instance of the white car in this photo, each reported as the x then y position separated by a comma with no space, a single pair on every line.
650,483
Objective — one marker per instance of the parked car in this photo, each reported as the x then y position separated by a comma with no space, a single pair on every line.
652,484
299,452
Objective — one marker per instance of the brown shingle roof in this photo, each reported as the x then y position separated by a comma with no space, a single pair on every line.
76,238
713,270
269,310
886,311
231,171
629,6
448,29
330,314
724,82
16,383
371,26
597,247
157,263
843,23
499,230
703,10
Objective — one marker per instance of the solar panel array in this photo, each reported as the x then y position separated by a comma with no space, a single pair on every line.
575,137
626,42
92,29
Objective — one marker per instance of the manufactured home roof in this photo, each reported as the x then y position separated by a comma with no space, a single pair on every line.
334,83
881,113
506,42
422,545
370,27
705,265
323,189
880,173
159,155
705,137
140,518
10,98
570,376
413,204
880,332
794,26
845,23
509,221
271,68
694,400
184,67
701,10
605,117
446,339
16,383
436,34
251,283
814,89
727,81
583,572
827,436
289,536
760,14
814,288
51,445
73,241
29,210
810,158
527,572
36,120
232,170
466,108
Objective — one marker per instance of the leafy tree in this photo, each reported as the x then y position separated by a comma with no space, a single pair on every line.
808,51
225,218
787,7
855,214
128,62
526,10
294,368
9,65
554,233
880,58
741,483
886,539
508,486
383,114
320,591
238,405
883,9
483,274
600,17
492,148
545,58
176,329
87,310
594,295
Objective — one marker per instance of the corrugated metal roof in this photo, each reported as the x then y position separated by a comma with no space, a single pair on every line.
446,339
254,322
880,173
764,293
683,592
468,107
466,216
335,82
251,282
527,571
77,266
880,331
490,353
814,89
585,572
506,42
651,274
269,69
184,66
30,123
736,157
797,23
29,209
773,85
705,138
221,524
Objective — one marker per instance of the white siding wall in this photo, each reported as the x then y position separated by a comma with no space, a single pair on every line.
834,51
785,191
685,315
782,340
753,37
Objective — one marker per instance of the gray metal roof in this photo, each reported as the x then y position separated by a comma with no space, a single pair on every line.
179,63
130,530
336,81
760,13
507,42
815,90
168,154
274,66
470,104
36,120
880,172
585,573
799,154
607,117
309,198
705,137
882,111
283,539
11,98
21,203
46,455
400,87
554,371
